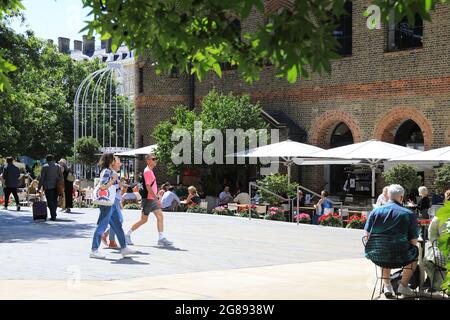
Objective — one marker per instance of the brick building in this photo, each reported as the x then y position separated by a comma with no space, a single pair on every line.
392,84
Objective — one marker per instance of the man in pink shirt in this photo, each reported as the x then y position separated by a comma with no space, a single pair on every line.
150,203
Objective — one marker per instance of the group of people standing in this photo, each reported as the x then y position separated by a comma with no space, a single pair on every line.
55,179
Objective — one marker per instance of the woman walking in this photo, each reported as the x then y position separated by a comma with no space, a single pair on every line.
68,184
109,166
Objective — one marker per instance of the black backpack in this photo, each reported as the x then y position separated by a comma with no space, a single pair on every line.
143,187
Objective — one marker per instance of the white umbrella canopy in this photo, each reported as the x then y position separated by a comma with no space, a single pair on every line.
135,152
287,150
435,156
372,152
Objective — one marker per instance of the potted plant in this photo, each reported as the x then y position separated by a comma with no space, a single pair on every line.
244,213
223,211
331,220
356,222
275,213
196,209
303,218
132,206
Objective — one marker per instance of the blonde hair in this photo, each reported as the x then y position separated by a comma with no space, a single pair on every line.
192,189
447,195
423,191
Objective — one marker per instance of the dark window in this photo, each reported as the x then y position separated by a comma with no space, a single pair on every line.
104,58
343,32
116,56
124,55
227,66
174,72
401,36
141,80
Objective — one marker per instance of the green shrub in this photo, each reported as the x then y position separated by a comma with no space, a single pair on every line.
277,183
404,175
196,209
442,180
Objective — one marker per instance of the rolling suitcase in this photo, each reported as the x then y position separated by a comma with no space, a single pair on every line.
39,210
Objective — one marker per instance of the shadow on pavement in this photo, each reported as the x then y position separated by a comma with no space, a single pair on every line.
127,261
16,228
169,248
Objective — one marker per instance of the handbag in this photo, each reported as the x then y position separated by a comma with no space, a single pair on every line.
105,197
70,177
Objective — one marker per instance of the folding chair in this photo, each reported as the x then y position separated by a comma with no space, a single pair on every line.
385,252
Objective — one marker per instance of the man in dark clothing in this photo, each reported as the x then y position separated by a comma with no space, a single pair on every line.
11,176
51,174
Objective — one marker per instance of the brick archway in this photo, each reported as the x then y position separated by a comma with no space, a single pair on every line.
271,6
324,124
390,121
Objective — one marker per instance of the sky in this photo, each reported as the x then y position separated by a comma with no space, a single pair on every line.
50,19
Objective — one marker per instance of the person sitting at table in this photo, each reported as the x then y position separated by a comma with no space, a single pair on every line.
163,189
430,262
129,196
225,196
170,200
322,204
424,203
400,223
383,197
193,198
137,194
242,197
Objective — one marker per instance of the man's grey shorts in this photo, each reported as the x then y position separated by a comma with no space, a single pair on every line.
149,205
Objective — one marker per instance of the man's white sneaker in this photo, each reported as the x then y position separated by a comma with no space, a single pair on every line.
164,242
97,255
126,252
388,291
128,240
405,291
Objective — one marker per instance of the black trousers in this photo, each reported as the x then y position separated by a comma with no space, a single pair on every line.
8,192
68,189
52,201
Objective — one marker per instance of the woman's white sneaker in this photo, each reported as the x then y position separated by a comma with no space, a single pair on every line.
97,255
405,291
126,252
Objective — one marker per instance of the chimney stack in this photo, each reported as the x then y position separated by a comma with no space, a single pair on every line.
64,45
106,44
88,46
78,45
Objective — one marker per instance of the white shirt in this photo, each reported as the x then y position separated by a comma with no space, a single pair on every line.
242,198
168,198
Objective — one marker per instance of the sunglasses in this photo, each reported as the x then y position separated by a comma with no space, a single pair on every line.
154,159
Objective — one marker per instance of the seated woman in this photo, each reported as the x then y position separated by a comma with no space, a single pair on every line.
193,198
434,232
424,203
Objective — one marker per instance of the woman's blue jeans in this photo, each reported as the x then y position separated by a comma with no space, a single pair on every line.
112,216
112,234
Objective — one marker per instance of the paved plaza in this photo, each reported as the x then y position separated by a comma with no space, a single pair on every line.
214,257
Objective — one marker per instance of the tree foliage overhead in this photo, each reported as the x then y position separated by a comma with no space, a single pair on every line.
7,7
36,112
295,39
